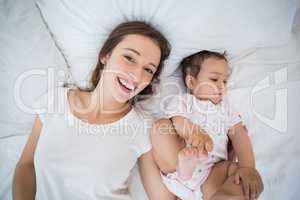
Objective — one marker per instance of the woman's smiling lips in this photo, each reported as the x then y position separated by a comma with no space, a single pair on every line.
126,85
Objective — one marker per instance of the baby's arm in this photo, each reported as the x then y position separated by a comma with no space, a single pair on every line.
242,145
192,133
247,173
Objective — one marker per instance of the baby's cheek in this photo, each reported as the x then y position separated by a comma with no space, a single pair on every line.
209,89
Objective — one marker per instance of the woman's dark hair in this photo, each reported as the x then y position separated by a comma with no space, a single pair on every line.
191,65
117,35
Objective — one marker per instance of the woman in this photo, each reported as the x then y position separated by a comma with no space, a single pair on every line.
88,150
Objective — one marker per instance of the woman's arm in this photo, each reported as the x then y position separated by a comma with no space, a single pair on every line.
242,146
167,143
152,180
184,127
192,133
24,187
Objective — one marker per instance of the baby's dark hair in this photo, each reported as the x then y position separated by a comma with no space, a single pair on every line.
191,65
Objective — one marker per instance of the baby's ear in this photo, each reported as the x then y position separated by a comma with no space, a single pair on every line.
189,81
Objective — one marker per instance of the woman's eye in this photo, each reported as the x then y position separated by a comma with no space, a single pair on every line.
129,58
149,70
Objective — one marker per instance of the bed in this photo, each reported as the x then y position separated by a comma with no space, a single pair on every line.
38,51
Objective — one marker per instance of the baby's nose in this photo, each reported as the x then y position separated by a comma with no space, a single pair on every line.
221,87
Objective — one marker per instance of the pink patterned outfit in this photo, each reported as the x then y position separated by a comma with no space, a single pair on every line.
216,120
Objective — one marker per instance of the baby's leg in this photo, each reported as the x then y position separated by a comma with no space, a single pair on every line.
166,145
187,161
219,184
229,190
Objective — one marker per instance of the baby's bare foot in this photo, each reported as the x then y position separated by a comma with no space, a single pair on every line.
187,161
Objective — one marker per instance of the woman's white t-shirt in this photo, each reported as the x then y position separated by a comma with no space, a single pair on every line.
77,160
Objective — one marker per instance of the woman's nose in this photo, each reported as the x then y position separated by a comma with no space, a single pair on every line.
136,75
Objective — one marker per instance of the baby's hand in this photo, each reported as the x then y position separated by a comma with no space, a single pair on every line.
202,142
251,182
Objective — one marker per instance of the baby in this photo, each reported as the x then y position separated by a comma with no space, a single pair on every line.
204,122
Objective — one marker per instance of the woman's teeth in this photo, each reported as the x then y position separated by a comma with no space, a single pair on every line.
126,84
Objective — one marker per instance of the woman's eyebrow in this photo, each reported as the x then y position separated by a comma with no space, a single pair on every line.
153,65
133,50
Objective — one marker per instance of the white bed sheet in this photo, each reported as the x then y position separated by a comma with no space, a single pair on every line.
26,49
10,151
28,57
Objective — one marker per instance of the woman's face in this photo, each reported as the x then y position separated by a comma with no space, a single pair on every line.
130,67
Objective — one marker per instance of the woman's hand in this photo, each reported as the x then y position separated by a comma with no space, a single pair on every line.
193,134
251,182
201,141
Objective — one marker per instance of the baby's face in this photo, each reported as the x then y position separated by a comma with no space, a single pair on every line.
210,83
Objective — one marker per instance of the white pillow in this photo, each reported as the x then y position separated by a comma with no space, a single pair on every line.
296,25
80,27
28,60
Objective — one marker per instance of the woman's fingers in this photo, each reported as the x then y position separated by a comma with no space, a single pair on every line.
197,143
209,144
203,143
189,141
202,153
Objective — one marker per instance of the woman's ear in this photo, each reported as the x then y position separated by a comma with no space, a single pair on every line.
189,81
104,59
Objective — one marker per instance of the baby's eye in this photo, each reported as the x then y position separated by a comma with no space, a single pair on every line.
214,79
225,82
